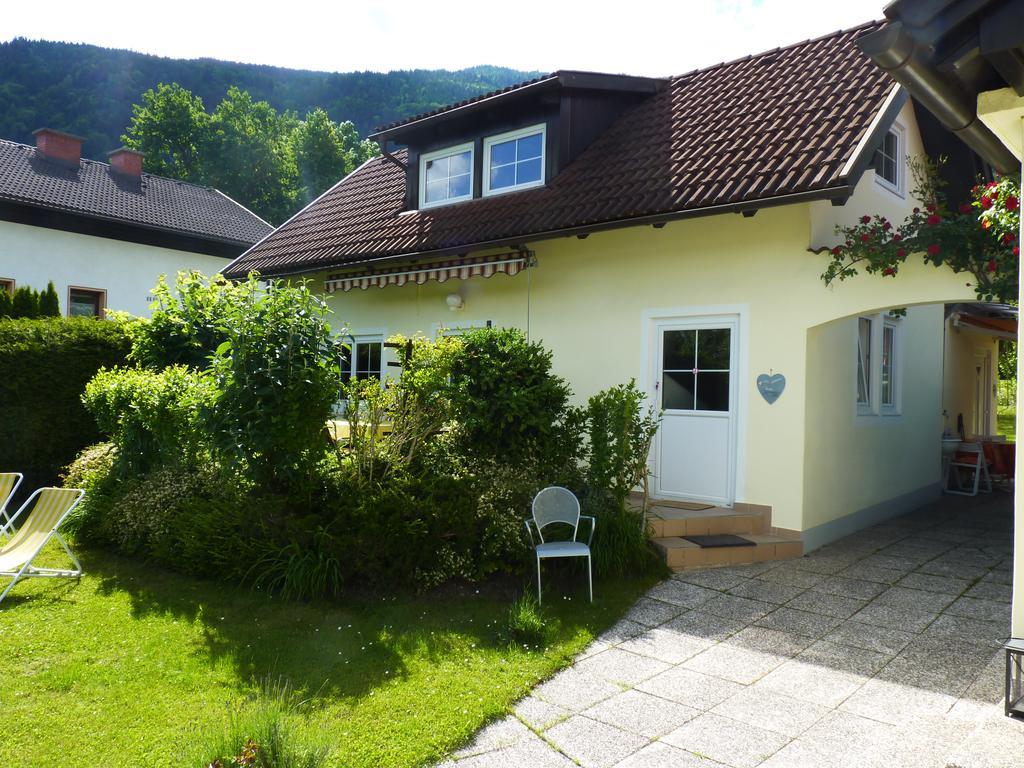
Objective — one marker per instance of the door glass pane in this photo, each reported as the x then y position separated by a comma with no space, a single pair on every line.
713,349
679,350
677,391
712,391
888,383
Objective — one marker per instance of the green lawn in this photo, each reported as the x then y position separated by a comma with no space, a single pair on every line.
1006,423
128,666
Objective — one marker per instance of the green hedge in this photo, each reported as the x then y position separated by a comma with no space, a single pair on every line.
44,367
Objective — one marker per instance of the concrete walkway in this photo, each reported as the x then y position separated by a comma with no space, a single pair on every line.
880,650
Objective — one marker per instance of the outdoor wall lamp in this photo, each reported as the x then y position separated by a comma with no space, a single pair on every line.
454,302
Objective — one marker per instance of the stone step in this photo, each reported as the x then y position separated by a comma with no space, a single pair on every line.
668,521
681,554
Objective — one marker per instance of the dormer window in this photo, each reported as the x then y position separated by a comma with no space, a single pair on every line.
514,160
889,160
446,176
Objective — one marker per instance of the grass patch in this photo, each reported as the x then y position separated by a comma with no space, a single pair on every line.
1006,423
135,666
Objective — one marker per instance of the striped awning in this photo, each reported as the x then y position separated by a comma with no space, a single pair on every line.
459,269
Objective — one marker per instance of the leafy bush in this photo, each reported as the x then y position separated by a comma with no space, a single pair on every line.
620,543
507,401
620,432
277,378
154,418
49,304
185,327
25,303
46,364
92,470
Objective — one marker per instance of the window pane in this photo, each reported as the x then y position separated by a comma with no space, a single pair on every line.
437,190
458,186
677,391
863,361
679,350
437,169
528,172
713,349
888,368
503,176
459,163
529,146
503,154
712,391
84,304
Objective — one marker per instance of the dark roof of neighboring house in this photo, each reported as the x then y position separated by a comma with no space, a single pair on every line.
776,127
94,190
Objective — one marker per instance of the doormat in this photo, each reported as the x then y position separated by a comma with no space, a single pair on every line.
693,506
720,540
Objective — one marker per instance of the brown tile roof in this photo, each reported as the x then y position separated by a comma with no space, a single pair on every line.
780,123
153,202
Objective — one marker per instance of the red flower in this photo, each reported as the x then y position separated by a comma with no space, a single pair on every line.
917,210
933,249
901,253
889,272
865,237
986,224
897,237
849,243
887,226
1007,238
934,219
930,207
991,185
965,208
991,266
837,251
1016,250
1012,203
986,201
865,219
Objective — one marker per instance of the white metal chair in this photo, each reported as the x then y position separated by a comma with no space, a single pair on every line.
49,508
559,505
976,465
9,482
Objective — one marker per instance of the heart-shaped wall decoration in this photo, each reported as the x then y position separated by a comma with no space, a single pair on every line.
771,387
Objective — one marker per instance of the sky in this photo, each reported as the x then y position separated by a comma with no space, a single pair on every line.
636,37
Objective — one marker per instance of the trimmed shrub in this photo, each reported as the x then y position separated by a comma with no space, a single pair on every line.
6,304
25,303
46,364
153,417
49,304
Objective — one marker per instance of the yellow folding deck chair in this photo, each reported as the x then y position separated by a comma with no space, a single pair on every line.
49,507
9,482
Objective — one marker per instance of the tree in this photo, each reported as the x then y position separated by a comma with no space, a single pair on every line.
6,306
978,237
170,127
25,303
326,152
49,304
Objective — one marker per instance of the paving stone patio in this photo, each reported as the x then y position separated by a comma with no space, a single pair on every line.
881,649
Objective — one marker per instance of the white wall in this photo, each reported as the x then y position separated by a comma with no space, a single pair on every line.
126,271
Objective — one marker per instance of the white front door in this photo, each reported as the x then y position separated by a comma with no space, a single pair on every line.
695,384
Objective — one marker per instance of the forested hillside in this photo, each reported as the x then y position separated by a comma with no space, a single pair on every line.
89,90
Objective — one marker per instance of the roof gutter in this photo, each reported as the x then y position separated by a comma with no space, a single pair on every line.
837,193
894,50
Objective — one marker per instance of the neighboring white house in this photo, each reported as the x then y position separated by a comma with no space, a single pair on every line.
105,233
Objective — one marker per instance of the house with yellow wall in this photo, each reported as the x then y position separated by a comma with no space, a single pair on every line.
673,231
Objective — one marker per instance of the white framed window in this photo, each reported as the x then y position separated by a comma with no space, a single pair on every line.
364,358
890,161
514,160
879,377
446,176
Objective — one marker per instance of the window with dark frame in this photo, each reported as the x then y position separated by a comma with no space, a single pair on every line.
85,302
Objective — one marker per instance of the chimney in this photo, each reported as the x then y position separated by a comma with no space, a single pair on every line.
62,147
126,161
